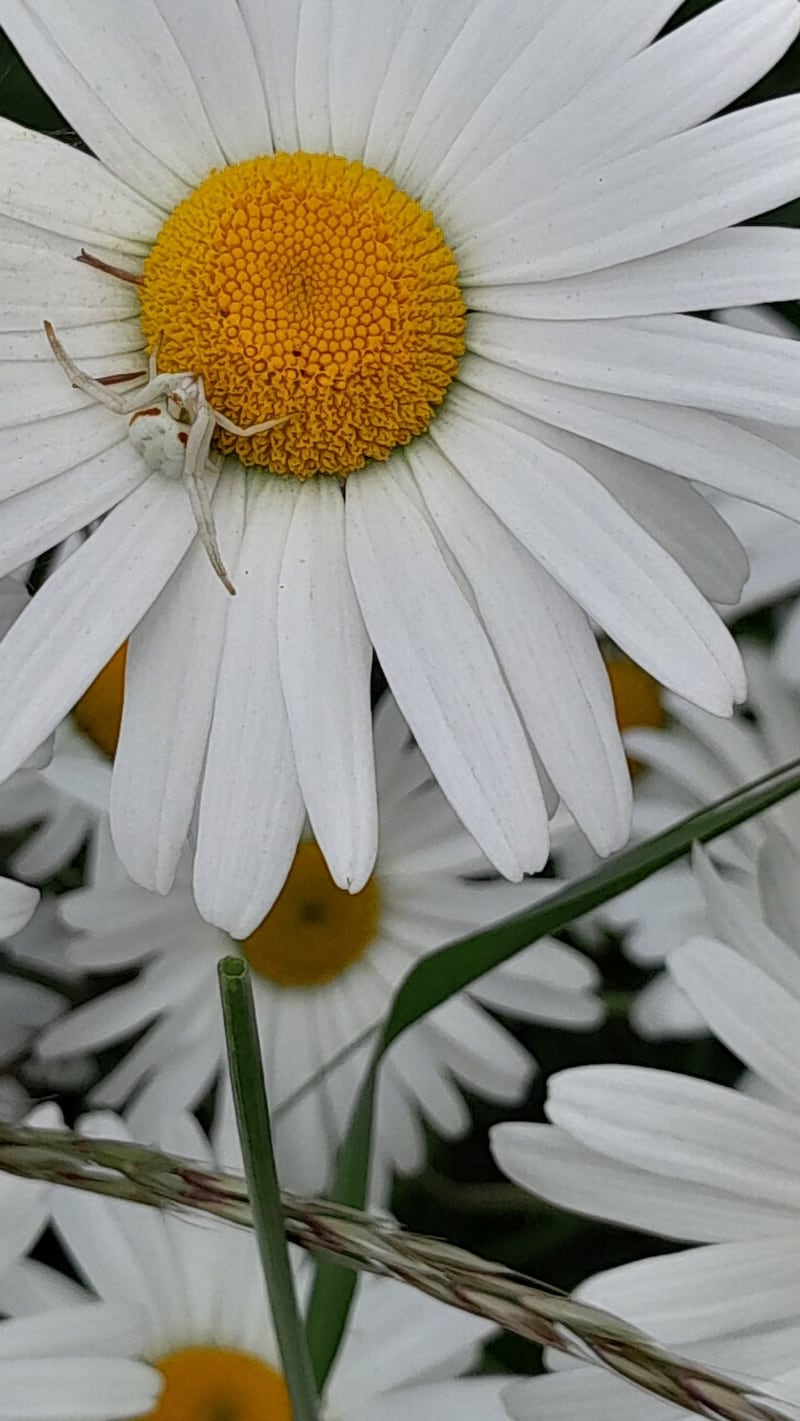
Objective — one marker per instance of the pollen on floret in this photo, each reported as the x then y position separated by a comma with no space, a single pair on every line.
306,285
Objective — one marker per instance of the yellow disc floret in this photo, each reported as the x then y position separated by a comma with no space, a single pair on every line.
314,930
99,711
215,1384
306,285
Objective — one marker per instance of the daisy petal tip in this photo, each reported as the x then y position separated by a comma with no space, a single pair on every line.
520,1400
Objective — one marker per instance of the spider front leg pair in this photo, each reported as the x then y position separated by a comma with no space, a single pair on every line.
157,410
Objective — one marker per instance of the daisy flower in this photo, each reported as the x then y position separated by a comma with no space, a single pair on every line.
25,1007
326,964
433,266
174,1321
65,785
694,1161
693,760
63,805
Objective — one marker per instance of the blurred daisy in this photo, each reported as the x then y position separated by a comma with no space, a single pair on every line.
351,218
25,1007
59,797
326,964
695,759
174,1321
690,1160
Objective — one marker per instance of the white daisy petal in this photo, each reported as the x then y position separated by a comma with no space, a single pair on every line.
776,876
77,1388
676,359
547,1162
467,1399
689,442
162,742
90,604
740,265
17,902
45,514
51,185
325,660
478,56
454,700
668,193
734,916
715,1293
680,518
219,55
251,811
409,72
121,81
100,1328
547,650
755,1017
356,72
570,47
36,280
70,440
312,104
598,554
698,69
663,1122
272,30
417,1337
109,338
585,1394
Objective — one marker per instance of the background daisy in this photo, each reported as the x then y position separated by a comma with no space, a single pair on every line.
552,485
325,966
687,763
690,1160
174,1320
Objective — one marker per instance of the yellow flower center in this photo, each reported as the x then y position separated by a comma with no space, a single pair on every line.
214,1384
637,699
314,930
309,286
99,711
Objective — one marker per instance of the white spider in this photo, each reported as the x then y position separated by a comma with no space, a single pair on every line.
157,409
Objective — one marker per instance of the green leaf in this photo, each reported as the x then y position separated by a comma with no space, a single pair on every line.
452,968
255,1135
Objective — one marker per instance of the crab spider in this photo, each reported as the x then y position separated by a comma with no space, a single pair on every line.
157,409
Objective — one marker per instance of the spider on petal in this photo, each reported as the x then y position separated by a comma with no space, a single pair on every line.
157,409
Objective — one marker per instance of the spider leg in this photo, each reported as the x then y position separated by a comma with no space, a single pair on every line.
231,428
127,403
79,378
198,447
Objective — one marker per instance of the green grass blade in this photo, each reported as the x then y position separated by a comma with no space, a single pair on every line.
454,967
252,1117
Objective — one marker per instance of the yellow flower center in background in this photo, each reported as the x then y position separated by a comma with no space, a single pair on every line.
637,699
309,286
99,711
314,930
213,1384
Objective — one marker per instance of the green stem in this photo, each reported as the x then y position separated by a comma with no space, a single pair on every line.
255,1135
